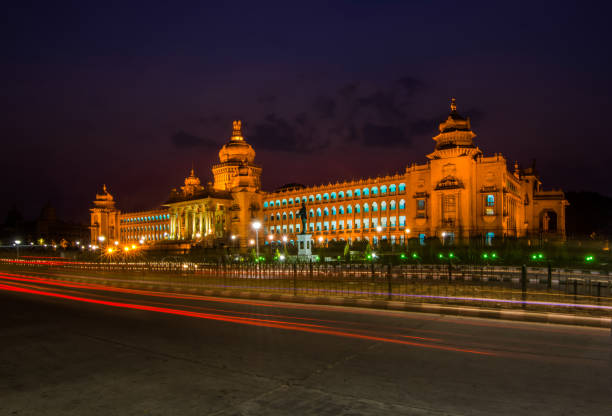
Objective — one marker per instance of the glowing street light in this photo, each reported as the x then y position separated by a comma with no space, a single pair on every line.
378,228
256,226
198,235
17,242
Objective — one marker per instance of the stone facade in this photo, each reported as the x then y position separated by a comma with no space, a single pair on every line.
459,193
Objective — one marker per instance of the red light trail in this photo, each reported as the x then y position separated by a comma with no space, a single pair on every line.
318,329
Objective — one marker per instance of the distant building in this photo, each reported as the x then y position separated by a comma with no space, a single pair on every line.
457,194
46,228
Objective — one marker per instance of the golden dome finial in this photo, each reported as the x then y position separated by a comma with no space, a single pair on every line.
237,133
453,104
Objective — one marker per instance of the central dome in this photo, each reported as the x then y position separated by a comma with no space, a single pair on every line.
237,149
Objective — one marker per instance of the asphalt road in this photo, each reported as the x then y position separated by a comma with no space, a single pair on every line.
74,349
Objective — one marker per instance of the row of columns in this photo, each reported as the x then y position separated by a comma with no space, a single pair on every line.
186,222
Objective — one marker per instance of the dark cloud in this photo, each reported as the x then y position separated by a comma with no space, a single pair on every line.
348,90
184,140
377,135
385,103
324,107
410,85
277,134
267,99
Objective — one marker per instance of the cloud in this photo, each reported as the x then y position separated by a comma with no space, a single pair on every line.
377,135
410,85
277,134
184,140
324,107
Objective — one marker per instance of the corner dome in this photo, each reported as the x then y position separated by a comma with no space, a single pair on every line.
237,149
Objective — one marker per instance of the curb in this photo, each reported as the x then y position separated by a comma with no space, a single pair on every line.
431,308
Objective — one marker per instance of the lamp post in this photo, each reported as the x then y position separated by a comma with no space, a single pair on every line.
378,230
284,243
101,240
256,226
17,242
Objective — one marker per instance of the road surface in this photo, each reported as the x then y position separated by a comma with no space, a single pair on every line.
78,349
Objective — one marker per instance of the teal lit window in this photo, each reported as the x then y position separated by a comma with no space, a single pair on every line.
490,200
402,187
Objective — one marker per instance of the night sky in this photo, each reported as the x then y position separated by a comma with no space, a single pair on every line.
132,94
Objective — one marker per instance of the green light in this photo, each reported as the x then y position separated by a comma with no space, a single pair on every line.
402,256
540,256
485,256
589,258
451,255
369,256
415,255
534,257
441,255
494,255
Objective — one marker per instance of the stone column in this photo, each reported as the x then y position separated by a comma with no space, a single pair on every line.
186,236
193,222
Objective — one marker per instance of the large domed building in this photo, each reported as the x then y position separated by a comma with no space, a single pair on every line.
459,193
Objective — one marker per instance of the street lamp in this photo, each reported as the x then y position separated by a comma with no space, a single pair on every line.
284,242
17,242
378,230
256,226
101,239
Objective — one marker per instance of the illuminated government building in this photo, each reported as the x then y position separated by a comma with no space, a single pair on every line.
457,194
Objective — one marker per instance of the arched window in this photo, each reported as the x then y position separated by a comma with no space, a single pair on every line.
383,206
357,208
290,201
333,195
402,204
349,194
272,217
366,208
366,192
291,215
357,193
349,209
318,198
311,198
392,188
383,189
326,212
303,199
284,215
284,202
333,210
318,212
340,194
374,190
340,210
374,206
277,216
392,205
278,203
402,187
326,197
297,200
311,213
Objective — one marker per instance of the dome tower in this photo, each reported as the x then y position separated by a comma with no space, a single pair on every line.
237,169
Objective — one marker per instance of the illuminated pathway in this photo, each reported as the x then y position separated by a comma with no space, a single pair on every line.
74,348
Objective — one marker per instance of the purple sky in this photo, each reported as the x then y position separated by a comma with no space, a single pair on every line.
131,95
